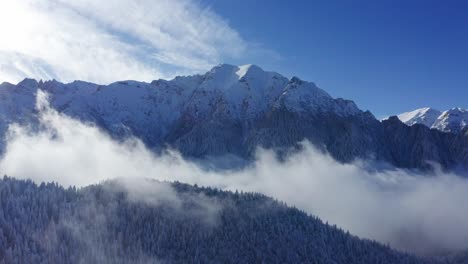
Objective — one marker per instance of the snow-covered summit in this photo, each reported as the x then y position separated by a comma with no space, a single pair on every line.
425,116
249,69
453,120
246,91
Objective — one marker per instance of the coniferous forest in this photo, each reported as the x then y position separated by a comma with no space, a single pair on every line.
47,223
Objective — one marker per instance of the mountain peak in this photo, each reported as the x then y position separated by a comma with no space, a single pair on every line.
248,69
426,116
453,120
457,110
27,82
236,71
223,67
296,80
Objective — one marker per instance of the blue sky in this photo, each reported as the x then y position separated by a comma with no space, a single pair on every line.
387,56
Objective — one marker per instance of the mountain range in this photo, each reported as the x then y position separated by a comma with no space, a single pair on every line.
233,110
454,120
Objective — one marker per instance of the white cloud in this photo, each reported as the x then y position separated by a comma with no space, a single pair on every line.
105,41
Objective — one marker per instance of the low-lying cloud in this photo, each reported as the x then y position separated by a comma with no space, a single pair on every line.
420,213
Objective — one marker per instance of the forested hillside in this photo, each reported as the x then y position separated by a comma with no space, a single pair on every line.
47,223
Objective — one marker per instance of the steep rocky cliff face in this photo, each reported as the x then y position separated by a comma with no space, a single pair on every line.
416,146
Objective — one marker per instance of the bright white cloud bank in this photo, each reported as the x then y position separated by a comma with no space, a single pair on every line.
105,41
406,210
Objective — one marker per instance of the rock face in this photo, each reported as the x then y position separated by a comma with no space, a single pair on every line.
454,120
233,110
413,147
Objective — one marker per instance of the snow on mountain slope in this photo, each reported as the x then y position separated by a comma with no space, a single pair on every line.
453,120
150,110
305,96
239,92
232,110
425,116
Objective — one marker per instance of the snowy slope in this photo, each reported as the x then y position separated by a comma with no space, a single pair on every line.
425,116
453,120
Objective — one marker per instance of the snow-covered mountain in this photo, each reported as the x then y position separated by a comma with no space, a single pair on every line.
425,116
233,110
453,120
221,102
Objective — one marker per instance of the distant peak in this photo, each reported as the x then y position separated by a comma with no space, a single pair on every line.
241,70
393,119
417,113
426,116
457,109
452,120
5,83
226,74
424,110
296,79
27,82
244,70
223,66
